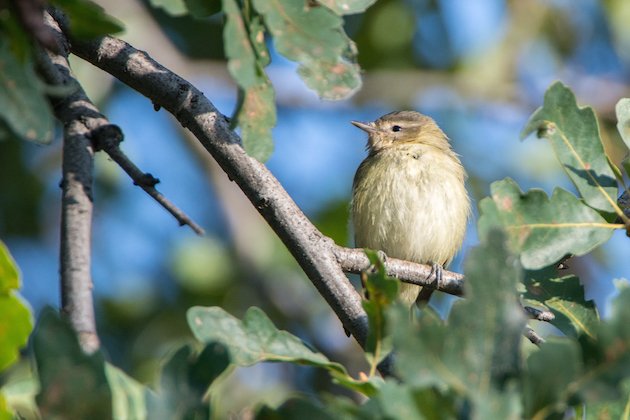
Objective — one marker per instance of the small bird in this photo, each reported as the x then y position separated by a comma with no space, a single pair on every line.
409,198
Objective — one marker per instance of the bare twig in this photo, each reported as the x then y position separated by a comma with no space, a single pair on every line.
104,135
533,336
539,315
107,137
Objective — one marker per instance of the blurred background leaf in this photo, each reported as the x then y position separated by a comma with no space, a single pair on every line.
23,106
15,315
73,384
87,19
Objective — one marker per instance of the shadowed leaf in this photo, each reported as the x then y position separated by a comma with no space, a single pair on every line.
574,315
87,19
549,373
186,378
73,384
23,106
203,8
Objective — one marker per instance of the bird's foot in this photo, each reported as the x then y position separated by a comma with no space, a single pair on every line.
436,273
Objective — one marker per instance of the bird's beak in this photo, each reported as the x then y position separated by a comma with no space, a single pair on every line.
367,127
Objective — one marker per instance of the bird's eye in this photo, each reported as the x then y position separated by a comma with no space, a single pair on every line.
396,128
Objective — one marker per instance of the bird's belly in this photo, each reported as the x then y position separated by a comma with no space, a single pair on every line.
416,214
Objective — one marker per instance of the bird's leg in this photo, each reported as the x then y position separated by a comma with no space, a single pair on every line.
425,292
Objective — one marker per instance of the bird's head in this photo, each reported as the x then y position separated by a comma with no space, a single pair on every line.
403,128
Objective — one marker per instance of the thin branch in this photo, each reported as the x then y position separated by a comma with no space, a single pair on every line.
313,251
533,336
539,315
107,137
104,135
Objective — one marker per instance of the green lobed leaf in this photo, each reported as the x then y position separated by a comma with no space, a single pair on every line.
542,230
313,36
550,372
186,378
347,7
381,291
15,316
622,110
73,384
574,315
247,55
255,339
87,19
23,106
574,135
476,353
